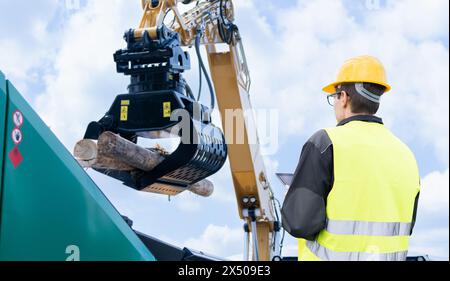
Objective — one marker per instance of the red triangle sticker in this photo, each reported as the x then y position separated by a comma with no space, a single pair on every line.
15,156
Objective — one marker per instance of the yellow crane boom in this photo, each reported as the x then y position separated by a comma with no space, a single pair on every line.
210,23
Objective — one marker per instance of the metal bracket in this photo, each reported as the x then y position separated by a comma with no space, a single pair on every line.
251,214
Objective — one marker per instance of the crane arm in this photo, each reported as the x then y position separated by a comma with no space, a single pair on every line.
155,61
205,15
231,79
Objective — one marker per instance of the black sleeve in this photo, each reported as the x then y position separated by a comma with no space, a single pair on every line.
416,203
304,208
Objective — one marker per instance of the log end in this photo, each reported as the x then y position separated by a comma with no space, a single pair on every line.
203,188
85,150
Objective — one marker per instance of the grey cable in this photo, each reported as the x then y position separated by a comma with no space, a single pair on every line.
203,68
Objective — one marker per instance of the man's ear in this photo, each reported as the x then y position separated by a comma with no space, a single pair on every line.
344,99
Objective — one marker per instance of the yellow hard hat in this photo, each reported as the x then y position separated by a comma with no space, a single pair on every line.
364,69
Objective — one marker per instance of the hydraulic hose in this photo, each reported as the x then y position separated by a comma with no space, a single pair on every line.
205,72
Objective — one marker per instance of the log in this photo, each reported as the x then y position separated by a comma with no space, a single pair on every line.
203,188
116,147
113,152
86,153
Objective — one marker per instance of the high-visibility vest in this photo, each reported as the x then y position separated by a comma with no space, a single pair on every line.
370,206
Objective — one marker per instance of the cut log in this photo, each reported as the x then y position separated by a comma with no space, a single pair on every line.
116,147
203,188
112,152
86,153
106,163
85,150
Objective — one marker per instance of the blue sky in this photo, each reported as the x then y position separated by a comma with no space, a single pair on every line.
59,56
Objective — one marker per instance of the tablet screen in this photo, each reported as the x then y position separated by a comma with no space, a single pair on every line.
285,178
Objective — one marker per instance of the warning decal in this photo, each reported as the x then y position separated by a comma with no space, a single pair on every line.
124,113
167,109
16,136
15,157
18,119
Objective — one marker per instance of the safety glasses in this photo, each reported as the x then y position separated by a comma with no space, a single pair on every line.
331,97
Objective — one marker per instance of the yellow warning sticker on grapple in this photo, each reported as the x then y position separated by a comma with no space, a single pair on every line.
123,113
167,109
125,102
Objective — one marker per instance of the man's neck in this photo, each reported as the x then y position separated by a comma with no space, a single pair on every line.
351,114
361,117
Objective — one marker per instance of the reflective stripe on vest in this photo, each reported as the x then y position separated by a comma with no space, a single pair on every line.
361,228
368,228
329,255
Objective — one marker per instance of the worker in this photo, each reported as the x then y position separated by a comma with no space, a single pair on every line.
355,191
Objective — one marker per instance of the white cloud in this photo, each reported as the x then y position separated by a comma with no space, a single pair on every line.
221,241
434,193
414,21
85,83
301,51
290,250
236,257
430,235
223,185
26,45
228,242
188,202
432,242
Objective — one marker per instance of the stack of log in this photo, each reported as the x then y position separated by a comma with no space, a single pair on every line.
112,152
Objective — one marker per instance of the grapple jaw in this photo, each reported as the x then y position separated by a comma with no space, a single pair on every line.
160,105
